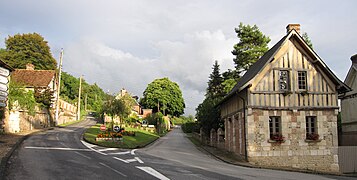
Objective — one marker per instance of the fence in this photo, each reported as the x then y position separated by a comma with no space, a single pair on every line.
347,159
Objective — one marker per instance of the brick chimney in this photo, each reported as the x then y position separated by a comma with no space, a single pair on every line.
354,59
30,66
293,26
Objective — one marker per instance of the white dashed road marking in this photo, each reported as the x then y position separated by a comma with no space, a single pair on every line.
113,169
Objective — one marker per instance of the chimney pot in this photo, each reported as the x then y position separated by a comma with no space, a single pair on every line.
293,26
30,66
354,59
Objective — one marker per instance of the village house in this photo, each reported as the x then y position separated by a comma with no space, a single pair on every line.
283,111
37,80
348,108
136,109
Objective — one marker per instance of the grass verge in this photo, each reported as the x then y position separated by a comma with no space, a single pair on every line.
69,123
193,140
141,138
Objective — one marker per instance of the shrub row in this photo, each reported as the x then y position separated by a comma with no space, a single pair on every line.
190,127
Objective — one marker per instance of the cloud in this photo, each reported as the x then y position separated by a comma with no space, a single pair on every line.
186,62
130,43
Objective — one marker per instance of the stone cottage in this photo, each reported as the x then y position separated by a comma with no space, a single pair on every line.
348,107
39,79
31,79
283,111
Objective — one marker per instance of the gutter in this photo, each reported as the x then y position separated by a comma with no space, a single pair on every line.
244,121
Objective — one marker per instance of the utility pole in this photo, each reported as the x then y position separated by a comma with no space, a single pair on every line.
79,99
58,88
85,102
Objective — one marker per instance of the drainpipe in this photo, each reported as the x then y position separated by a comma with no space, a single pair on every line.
244,122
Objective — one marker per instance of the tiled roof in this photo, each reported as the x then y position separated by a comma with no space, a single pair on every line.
33,78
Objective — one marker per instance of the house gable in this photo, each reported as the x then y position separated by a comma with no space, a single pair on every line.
351,77
292,57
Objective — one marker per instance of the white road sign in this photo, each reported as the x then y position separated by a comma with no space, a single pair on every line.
3,87
4,72
3,93
3,98
4,80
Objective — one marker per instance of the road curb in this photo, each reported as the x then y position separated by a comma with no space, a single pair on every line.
6,158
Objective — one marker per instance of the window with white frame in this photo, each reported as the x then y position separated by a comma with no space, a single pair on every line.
284,83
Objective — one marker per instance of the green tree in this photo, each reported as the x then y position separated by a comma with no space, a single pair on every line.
307,39
251,46
93,93
214,88
208,115
165,96
22,49
19,97
228,85
116,107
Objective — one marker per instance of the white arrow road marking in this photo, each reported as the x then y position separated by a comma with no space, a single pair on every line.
121,159
139,160
113,169
129,160
153,172
90,147
56,148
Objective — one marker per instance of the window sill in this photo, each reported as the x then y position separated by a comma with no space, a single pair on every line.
312,141
274,141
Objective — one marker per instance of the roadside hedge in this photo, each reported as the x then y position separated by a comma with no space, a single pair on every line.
190,127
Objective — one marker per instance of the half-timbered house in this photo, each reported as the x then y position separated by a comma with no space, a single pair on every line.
283,110
348,107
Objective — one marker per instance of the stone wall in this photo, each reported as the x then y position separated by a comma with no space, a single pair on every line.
217,138
295,151
19,120
234,133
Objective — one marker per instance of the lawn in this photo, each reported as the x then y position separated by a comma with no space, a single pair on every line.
141,138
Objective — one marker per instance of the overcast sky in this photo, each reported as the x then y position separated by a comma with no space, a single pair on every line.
127,44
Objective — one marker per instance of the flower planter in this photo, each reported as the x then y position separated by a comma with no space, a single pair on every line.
108,139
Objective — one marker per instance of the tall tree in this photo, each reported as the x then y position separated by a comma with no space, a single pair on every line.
165,96
307,40
230,78
22,49
214,89
251,46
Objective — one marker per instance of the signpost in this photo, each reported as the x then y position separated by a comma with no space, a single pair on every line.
3,87
3,93
116,128
103,127
4,72
4,80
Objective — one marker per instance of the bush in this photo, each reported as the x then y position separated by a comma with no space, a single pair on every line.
190,127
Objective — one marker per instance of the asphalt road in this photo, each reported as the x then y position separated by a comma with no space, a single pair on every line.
61,154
